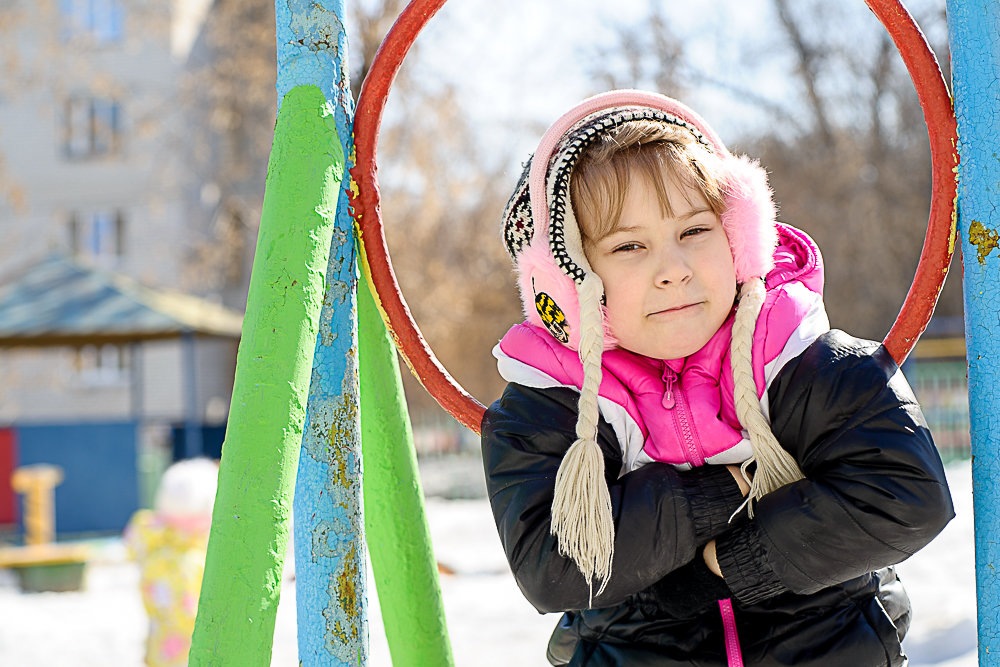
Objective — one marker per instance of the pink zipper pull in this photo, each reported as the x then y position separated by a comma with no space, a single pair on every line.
668,396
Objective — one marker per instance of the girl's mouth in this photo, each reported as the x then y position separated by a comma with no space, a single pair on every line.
677,309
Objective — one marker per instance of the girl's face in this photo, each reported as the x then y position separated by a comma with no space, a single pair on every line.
668,279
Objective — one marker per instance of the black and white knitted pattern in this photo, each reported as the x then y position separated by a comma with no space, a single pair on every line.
564,239
518,226
518,223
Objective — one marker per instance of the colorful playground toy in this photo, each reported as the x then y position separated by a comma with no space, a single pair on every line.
41,564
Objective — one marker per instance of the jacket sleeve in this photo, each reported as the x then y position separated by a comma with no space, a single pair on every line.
661,515
874,490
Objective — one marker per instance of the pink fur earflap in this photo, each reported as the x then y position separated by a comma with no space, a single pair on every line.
749,219
538,273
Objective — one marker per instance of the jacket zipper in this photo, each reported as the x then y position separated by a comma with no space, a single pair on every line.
675,402
734,657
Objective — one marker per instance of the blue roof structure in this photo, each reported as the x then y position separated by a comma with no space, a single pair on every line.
58,301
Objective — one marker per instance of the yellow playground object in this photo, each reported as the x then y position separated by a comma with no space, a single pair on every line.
42,564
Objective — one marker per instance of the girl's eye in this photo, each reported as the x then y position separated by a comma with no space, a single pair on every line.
627,247
694,231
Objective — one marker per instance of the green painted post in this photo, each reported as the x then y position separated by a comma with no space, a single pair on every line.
239,595
399,541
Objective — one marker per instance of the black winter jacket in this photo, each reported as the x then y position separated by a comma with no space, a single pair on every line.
809,575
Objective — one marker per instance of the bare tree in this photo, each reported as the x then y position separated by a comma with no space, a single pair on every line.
807,56
859,184
368,24
646,55
229,93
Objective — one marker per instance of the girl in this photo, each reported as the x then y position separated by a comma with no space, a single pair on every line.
681,427
169,543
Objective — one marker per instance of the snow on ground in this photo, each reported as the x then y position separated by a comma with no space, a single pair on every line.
488,620
941,582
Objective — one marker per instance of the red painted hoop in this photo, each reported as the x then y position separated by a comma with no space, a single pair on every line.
942,131
913,317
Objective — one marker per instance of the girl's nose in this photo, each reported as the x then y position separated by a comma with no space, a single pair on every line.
672,266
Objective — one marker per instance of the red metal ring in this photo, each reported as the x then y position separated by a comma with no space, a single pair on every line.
917,307
367,120
939,115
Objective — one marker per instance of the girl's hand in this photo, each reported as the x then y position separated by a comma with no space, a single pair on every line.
709,552
741,480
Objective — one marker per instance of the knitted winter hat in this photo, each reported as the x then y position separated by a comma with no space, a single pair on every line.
186,493
561,292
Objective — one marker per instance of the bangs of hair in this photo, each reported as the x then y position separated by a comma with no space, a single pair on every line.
639,149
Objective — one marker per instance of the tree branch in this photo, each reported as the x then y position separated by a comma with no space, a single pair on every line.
808,58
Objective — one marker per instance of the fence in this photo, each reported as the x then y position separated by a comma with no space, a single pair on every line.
942,387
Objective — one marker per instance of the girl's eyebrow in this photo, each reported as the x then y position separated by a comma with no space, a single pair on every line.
693,212
616,230
628,229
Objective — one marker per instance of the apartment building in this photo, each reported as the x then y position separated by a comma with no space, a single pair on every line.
108,165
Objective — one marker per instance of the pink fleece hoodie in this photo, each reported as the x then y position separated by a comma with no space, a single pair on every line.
681,411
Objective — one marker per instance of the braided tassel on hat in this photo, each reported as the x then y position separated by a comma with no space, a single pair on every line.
775,466
581,506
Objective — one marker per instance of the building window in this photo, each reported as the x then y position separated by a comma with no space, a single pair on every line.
93,127
98,236
100,20
103,365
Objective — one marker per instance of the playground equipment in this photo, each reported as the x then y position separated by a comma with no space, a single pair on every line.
311,150
300,326
917,308
41,564
975,63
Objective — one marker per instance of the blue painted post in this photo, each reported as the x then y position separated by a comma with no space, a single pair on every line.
135,380
974,37
329,543
192,423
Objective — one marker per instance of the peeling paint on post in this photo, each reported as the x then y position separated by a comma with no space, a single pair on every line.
330,573
984,239
974,36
